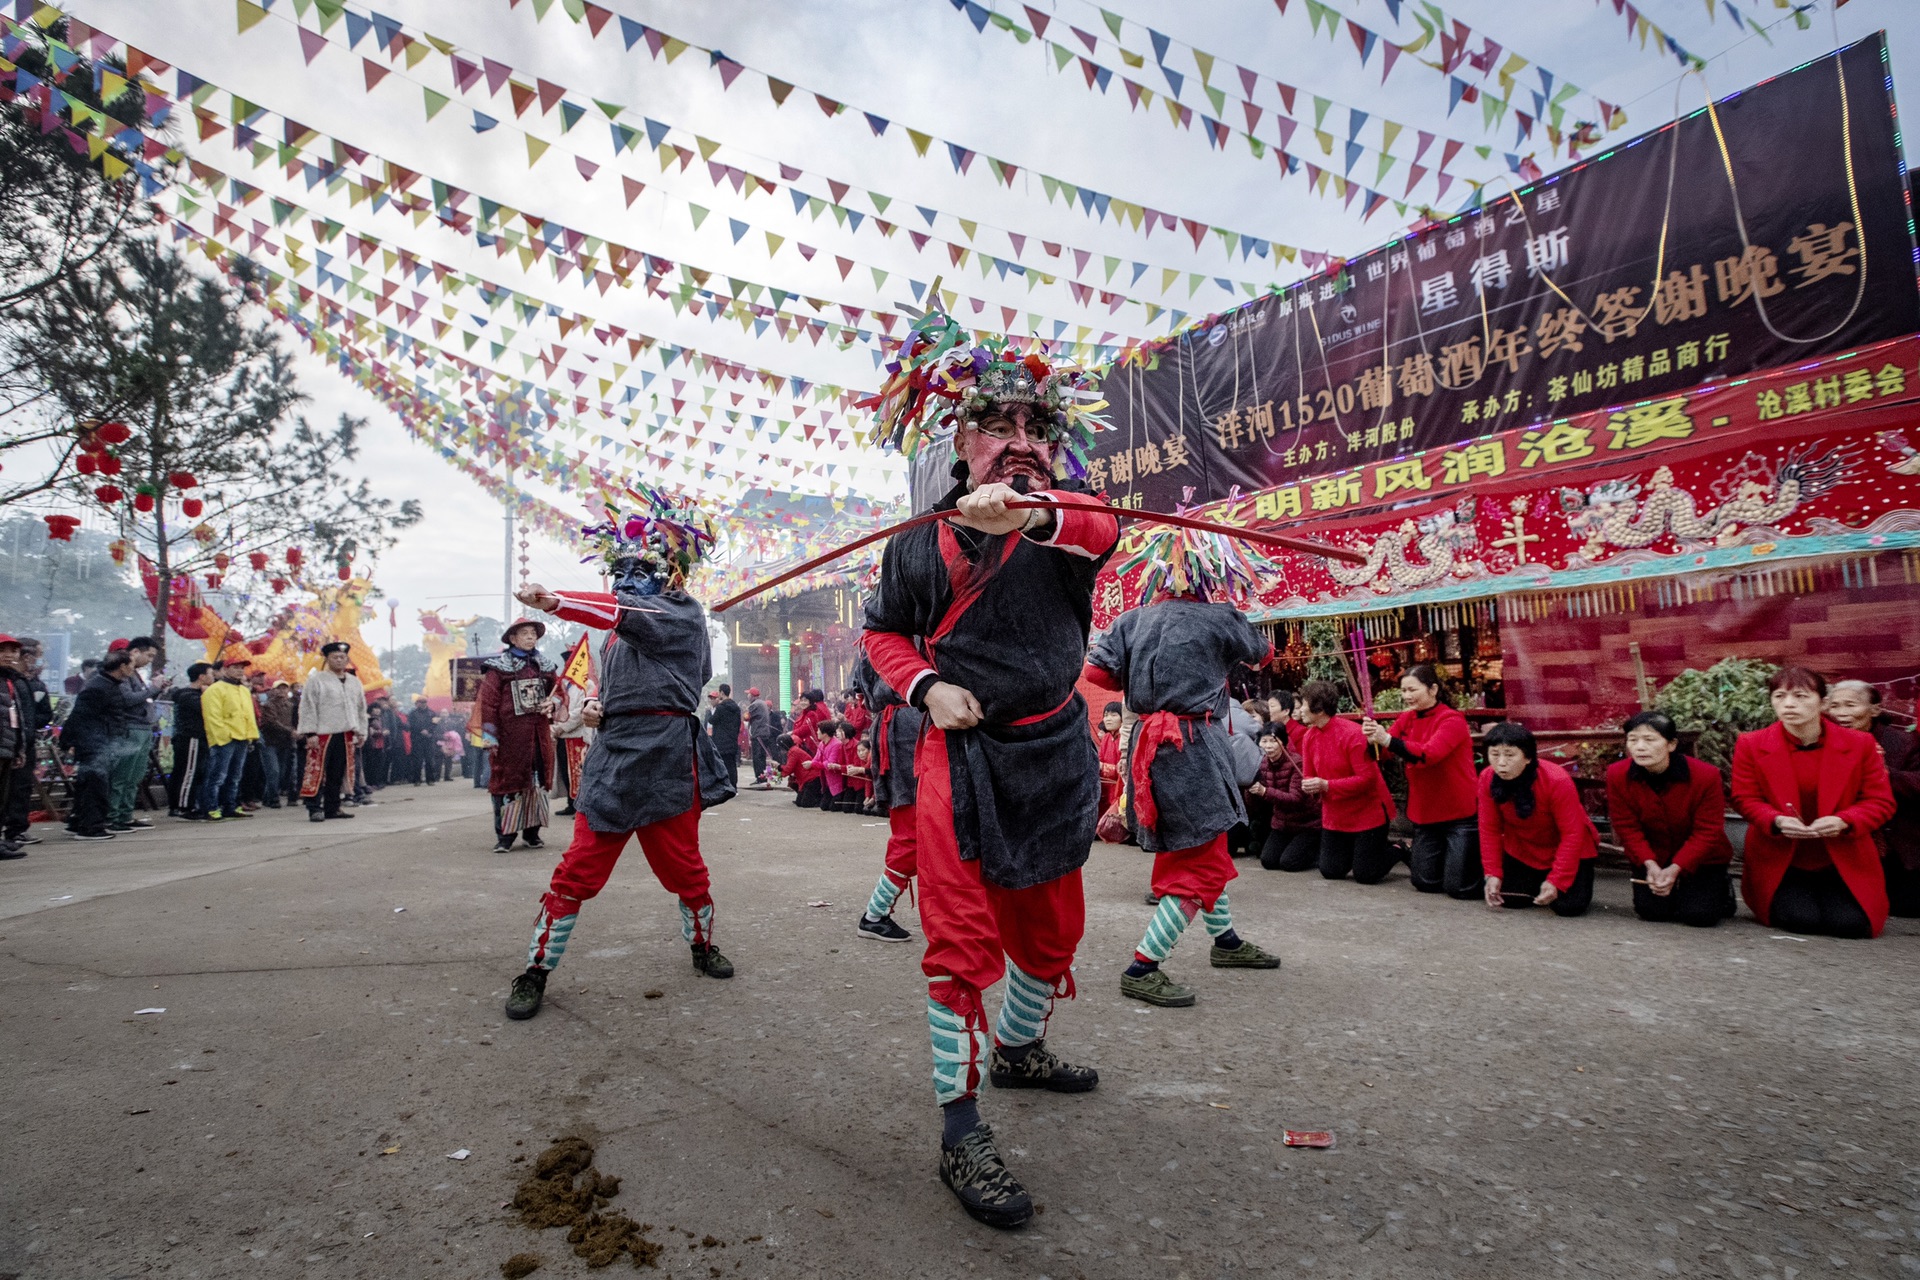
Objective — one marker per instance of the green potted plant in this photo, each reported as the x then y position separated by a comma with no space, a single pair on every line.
1726,700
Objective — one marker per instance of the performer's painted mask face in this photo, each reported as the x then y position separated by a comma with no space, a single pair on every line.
1012,445
639,576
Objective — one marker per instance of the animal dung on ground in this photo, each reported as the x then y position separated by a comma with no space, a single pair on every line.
564,1190
520,1265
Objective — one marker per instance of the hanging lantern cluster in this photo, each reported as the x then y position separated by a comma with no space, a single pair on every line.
97,458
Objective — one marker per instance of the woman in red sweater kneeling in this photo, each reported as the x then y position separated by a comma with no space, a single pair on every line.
1355,807
1669,813
1814,792
1537,844
1442,802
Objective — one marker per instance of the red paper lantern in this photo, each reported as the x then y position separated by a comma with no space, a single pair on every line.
143,502
293,557
278,585
109,493
182,480
109,465
61,528
192,508
86,464
258,559
213,580
221,560
114,432
344,572
118,550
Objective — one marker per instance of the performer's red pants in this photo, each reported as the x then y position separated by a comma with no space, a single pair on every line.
974,927
1201,872
672,849
903,856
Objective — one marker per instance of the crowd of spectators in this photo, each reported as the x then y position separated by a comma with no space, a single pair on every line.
233,742
1829,795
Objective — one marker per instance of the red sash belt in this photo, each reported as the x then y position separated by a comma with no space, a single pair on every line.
1154,730
880,755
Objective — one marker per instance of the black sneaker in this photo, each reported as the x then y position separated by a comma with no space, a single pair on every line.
313,815
978,1178
503,845
122,828
708,960
523,997
339,817
8,852
533,842
1039,1069
882,930
139,822
93,835
25,838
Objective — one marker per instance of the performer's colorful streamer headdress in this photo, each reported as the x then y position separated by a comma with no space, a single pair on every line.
667,535
1187,562
941,379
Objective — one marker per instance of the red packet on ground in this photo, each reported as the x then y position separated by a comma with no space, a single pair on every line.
1307,1138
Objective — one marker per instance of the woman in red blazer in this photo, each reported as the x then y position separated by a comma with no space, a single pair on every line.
1537,844
1669,813
1814,792
1442,799
1354,805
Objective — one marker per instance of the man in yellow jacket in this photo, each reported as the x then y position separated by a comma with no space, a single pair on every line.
227,708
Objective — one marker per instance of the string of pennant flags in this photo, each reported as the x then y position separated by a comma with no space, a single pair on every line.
1264,99
365,176
469,71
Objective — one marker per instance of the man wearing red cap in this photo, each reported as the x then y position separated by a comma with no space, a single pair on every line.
514,717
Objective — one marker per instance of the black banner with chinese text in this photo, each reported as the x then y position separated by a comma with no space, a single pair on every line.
1561,299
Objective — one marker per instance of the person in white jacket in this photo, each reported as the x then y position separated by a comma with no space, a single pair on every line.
572,738
333,721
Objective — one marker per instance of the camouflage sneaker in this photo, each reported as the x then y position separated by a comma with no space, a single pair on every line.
1244,956
1156,988
708,960
523,998
1039,1069
978,1178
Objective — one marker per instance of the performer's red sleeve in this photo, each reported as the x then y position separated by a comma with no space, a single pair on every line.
897,659
1090,530
588,608
1100,678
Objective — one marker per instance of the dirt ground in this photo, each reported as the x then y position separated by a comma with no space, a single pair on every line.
1513,1096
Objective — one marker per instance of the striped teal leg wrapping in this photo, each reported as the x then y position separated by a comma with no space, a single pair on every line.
1220,919
885,894
957,1051
1163,931
696,925
1024,1009
550,934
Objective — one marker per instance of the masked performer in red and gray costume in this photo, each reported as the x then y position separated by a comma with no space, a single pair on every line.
1172,658
650,771
895,735
981,619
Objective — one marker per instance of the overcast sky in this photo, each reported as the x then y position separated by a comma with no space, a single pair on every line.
919,64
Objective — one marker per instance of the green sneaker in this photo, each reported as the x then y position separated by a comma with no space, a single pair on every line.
523,998
1156,988
1244,956
978,1178
214,815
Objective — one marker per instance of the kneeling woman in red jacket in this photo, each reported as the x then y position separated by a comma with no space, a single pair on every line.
1669,813
1537,844
1814,792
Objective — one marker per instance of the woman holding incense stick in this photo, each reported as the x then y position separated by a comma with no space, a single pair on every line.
1668,812
1814,791
1537,844
1434,742
1355,807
